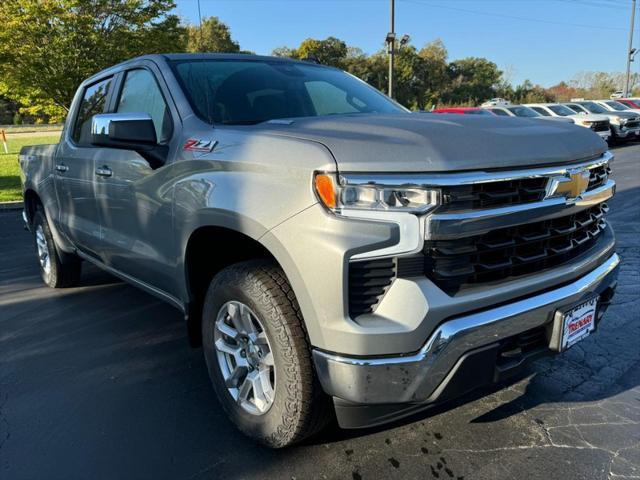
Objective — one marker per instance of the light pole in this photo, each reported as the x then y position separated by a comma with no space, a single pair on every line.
630,50
391,42
391,45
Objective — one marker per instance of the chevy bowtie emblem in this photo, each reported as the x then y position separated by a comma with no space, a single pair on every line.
573,184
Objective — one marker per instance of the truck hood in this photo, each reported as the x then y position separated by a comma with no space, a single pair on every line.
556,119
616,116
589,117
423,142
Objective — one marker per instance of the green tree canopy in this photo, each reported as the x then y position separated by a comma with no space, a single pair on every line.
472,80
214,36
47,48
330,51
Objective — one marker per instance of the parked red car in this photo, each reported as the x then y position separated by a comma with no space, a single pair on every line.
463,110
629,102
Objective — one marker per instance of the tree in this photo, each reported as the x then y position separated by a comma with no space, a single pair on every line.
434,71
49,47
214,36
330,51
473,80
8,109
284,52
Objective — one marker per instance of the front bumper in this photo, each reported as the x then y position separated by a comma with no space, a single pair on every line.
623,132
440,369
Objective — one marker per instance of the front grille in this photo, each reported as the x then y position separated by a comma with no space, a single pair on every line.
634,124
598,176
602,126
494,194
503,193
512,252
368,282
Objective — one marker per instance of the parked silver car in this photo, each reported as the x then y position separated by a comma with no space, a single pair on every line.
598,123
524,111
624,125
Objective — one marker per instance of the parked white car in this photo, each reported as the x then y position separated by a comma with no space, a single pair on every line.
624,125
523,111
615,106
495,102
598,123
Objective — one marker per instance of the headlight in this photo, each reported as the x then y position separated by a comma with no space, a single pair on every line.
339,196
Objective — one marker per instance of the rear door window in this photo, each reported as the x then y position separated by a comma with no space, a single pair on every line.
93,102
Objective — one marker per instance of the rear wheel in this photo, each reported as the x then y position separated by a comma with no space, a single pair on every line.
57,268
258,357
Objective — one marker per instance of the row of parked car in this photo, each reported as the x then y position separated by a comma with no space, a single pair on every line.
613,120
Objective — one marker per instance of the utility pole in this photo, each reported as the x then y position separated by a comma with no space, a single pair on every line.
630,51
391,41
200,22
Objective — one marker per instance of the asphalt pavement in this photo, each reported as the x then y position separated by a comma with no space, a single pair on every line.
98,382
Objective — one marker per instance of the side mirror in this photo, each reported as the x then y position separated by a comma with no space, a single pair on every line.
131,131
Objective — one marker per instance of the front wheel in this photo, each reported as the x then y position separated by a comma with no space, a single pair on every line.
57,269
258,357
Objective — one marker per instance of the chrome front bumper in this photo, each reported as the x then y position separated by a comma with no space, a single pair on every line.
423,376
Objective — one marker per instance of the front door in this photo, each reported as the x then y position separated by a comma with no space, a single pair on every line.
135,205
74,172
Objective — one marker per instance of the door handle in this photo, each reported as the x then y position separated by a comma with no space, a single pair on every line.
61,167
104,172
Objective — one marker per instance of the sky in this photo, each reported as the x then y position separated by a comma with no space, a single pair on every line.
545,41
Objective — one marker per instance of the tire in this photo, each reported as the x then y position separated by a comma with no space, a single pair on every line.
299,408
57,268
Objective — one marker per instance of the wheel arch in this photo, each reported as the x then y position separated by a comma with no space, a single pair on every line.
31,202
208,250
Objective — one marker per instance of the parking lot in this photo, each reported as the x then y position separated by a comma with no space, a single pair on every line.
99,382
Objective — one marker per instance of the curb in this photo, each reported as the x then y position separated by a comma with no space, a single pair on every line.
9,206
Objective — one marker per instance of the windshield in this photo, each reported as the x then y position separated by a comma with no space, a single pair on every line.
477,112
577,108
594,107
522,111
617,106
246,92
561,110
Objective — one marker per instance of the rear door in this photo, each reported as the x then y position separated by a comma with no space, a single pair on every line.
135,199
74,170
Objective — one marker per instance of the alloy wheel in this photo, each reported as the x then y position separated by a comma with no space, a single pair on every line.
245,357
43,250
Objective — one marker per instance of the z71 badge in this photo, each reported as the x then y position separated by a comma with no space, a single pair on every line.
202,146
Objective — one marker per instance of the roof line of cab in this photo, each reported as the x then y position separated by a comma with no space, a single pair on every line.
168,57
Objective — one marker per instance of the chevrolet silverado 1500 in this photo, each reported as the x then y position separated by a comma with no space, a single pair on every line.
333,253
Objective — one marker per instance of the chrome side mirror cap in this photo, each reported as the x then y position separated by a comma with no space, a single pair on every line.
123,130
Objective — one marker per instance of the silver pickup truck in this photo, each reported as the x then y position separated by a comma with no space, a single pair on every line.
333,253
